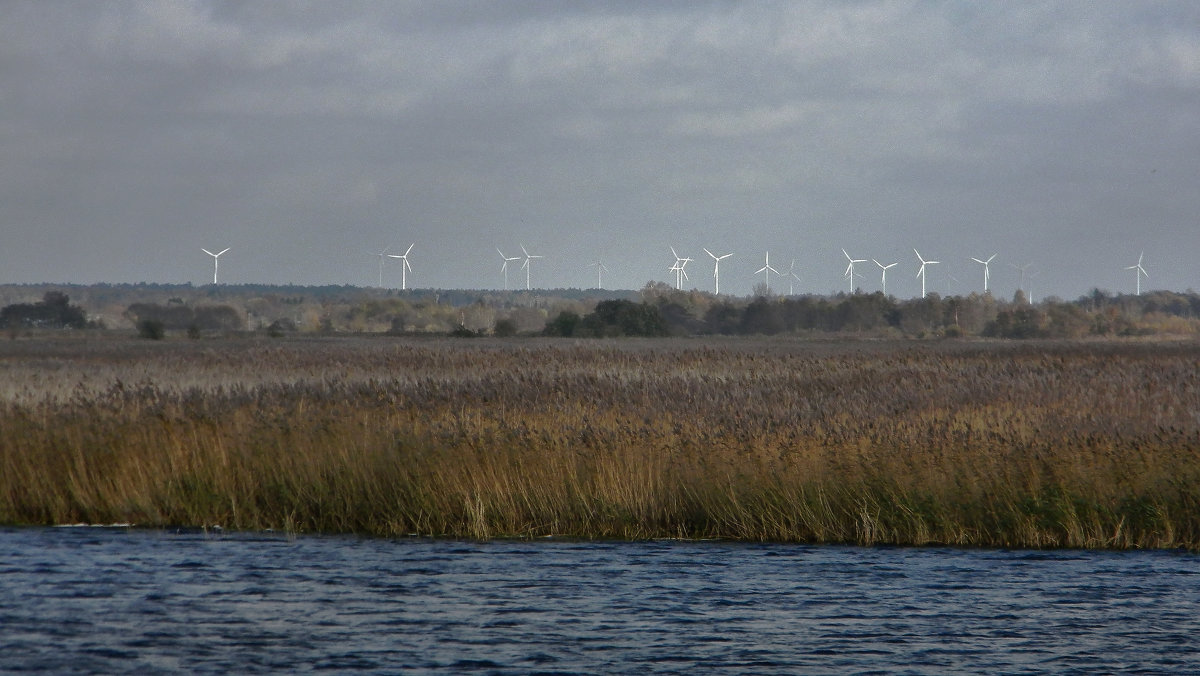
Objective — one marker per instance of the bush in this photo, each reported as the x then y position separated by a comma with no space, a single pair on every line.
505,328
281,326
563,325
54,311
151,329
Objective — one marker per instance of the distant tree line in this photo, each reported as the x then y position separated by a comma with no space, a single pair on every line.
178,316
655,310
665,312
611,318
53,311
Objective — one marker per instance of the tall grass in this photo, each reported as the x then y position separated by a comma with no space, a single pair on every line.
1048,445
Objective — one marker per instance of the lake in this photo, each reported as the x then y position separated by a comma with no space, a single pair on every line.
117,600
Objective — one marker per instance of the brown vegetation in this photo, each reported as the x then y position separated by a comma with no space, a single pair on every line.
992,444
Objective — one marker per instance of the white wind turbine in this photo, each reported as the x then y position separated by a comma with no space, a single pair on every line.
986,270
504,267
792,277
717,269
849,274
1022,269
382,256
885,269
528,257
677,268
766,269
216,260
680,273
600,269
403,268
1137,268
921,272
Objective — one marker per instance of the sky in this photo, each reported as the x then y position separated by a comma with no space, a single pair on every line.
309,136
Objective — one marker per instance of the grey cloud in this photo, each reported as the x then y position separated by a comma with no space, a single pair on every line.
306,133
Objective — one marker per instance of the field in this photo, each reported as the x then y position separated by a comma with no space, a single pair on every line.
1048,444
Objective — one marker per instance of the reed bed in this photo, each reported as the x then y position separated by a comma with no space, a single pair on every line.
973,444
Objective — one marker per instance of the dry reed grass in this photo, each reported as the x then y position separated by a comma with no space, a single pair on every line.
974,444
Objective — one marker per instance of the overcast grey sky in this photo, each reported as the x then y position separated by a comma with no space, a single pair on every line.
305,135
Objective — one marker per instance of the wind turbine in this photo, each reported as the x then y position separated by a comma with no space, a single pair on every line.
403,268
717,269
528,257
766,269
216,259
885,269
504,267
986,270
677,268
1139,271
382,254
850,268
1031,276
1022,269
600,268
921,272
792,276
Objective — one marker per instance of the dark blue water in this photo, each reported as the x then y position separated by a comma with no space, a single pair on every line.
81,600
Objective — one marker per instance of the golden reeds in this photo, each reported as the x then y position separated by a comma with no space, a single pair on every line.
988,444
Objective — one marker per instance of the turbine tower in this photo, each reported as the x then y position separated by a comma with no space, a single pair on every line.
1029,297
849,274
766,269
528,257
717,270
921,272
1022,269
403,268
504,267
382,255
986,270
216,260
1137,268
885,269
600,268
792,277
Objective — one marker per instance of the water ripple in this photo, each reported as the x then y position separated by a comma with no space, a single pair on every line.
85,600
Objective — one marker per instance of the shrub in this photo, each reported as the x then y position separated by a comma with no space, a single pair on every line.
151,329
